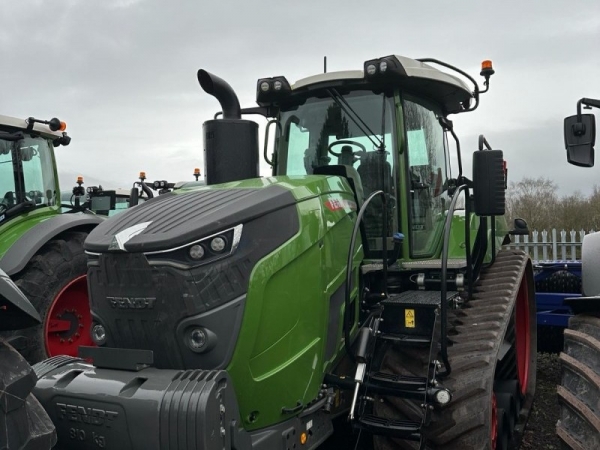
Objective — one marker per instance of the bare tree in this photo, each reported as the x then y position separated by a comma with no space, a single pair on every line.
535,200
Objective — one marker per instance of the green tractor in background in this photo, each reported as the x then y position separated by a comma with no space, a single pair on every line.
579,392
41,247
253,312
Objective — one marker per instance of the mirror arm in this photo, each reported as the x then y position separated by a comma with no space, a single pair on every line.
589,102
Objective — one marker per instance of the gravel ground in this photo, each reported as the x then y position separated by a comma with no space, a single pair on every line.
540,430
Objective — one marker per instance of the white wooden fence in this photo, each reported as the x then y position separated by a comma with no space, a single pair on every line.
551,245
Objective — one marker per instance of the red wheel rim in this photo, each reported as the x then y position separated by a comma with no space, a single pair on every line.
523,336
494,422
68,322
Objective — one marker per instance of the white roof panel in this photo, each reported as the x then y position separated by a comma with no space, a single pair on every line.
44,130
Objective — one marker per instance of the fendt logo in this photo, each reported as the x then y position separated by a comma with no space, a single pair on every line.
82,414
131,302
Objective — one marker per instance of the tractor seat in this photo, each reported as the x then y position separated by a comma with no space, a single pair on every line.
346,157
347,172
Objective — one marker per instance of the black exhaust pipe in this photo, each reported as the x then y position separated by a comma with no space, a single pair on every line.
223,92
230,143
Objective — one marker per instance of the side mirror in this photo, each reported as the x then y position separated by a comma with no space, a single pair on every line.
520,228
580,137
134,197
489,192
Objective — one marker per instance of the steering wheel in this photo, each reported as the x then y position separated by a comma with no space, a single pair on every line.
8,201
346,142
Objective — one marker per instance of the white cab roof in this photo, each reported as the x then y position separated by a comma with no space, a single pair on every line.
44,130
414,69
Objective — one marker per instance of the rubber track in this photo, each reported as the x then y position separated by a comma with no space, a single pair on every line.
476,332
579,392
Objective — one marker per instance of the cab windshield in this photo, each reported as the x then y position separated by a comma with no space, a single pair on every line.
427,175
26,172
356,131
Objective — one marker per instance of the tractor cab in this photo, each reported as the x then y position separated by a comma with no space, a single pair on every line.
28,178
384,128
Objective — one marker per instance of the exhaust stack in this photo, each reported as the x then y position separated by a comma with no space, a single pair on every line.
230,143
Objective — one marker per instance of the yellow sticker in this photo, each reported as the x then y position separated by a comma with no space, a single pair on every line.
409,318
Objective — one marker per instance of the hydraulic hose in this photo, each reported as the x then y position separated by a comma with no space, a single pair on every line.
349,264
444,293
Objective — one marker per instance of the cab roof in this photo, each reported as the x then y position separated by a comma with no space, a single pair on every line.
21,124
415,76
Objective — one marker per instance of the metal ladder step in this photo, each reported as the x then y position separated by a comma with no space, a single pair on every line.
406,339
405,429
397,385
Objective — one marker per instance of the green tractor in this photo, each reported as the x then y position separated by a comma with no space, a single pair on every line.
579,392
41,248
254,312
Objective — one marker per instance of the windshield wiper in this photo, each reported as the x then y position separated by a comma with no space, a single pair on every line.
27,205
344,106
6,136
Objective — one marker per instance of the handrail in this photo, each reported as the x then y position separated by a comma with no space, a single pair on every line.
444,293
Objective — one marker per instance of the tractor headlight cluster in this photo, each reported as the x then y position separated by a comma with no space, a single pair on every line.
384,67
205,250
272,90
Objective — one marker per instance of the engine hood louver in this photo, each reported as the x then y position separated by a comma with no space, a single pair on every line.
177,219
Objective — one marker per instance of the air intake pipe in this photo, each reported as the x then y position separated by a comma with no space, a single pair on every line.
231,143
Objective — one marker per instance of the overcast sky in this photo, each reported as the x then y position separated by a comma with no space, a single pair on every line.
122,73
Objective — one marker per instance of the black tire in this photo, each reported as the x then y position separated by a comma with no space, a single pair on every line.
578,425
57,263
477,332
24,424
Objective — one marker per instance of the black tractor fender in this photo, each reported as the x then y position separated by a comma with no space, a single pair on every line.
18,312
21,252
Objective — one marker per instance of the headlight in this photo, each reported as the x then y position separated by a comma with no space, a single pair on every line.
98,334
196,251
218,244
202,251
197,339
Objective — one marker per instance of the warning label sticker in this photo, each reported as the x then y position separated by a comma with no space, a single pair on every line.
409,318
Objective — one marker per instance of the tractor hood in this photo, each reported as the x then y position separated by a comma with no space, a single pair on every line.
178,268
176,219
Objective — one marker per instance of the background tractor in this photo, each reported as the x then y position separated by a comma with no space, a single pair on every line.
251,312
579,391
41,247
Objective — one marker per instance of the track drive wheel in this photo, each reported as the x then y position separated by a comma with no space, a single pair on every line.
579,391
24,424
493,360
55,283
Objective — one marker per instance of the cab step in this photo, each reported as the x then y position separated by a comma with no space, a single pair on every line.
404,429
397,385
406,339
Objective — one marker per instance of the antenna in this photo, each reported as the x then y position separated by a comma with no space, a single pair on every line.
324,64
